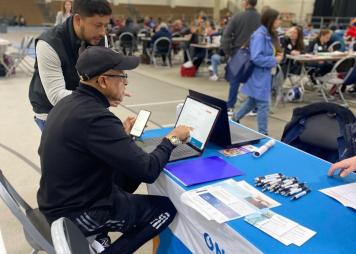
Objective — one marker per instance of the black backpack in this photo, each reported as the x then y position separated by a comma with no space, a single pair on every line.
326,130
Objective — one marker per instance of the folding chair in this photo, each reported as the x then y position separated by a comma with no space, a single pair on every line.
68,239
335,46
126,43
35,226
343,73
18,57
161,47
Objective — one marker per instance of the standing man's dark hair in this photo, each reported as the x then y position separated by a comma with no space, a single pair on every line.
89,8
253,3
57,51
237,33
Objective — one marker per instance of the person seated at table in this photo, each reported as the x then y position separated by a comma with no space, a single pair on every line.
336,37
293,45
90,165
345,167
308,30
129,27
198,36
320,45
163,31
350,33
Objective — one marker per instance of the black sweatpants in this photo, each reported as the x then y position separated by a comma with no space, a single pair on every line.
138,217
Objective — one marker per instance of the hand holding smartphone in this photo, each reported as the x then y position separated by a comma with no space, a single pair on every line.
140,123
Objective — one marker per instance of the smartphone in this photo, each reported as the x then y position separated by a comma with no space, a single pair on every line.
140,123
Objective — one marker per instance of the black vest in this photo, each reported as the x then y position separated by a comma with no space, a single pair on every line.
63,40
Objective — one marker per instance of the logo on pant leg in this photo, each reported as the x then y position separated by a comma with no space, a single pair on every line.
158,222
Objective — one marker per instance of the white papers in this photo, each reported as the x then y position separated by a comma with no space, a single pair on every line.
345,194
281,228
227,200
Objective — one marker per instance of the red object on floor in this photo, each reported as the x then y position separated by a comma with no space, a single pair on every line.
188,72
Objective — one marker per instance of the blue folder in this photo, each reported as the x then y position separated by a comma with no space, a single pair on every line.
202,170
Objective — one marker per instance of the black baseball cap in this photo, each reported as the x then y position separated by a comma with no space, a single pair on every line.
96,60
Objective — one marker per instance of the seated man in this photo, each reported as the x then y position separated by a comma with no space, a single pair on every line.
86,153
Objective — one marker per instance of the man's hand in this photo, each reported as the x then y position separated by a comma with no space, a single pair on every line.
128,124
345,166
182,132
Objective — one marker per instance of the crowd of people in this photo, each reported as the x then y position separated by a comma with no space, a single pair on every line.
90,165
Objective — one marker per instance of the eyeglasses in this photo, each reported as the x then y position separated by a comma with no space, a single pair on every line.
124,76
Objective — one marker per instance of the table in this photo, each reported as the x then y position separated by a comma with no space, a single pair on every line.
207,47
308,59
335,224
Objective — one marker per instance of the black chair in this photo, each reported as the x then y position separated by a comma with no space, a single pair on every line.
68,239
36,228
162,47
127,43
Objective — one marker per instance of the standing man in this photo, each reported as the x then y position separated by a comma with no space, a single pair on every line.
57,49
236,34
84,145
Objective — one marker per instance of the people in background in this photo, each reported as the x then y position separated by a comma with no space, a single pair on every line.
345,167
236,34
258,86
308,30
22,20
57,51
64,13
84,146
350,33
336,37
293,45
319,45
128,27
162,31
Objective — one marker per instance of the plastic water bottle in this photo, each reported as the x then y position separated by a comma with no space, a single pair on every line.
315,49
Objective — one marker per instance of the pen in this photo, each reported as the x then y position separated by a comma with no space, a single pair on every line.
296,191
300,194
268,176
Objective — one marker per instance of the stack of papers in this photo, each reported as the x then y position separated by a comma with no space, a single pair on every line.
227,200
282,229
345,194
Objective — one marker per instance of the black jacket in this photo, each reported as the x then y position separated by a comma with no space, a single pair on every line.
63,40
83,147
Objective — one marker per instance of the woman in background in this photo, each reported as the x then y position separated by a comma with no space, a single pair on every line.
293,45
265,57
320,45
65,12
